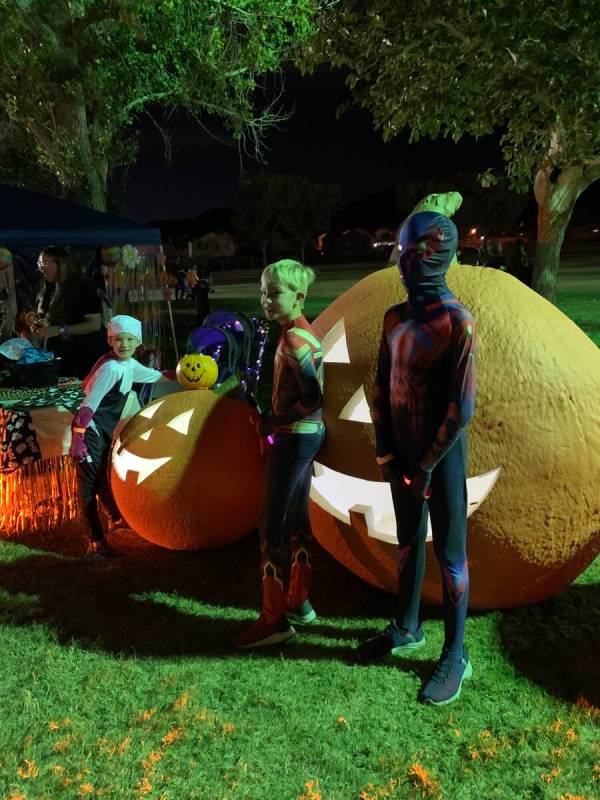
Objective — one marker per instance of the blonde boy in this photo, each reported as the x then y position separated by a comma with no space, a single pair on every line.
295,430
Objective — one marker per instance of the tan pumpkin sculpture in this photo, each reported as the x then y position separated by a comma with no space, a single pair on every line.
537,418
187,472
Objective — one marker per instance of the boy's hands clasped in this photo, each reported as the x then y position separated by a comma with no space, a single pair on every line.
419,483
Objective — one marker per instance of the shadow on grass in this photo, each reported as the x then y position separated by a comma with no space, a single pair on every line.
556,644
158,603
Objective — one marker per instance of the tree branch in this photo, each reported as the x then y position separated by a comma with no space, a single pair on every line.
591,171
141,101
454,31
42,137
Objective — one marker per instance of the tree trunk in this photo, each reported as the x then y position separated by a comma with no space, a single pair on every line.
96,187
95,168
556,196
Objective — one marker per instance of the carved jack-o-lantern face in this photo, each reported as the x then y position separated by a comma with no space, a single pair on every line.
173,466
197,371
537,417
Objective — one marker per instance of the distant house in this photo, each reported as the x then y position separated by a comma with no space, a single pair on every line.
384,237
214,245
355,242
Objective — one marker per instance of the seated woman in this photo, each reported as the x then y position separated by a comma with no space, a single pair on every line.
73,313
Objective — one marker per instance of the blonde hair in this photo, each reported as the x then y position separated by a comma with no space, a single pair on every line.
292,273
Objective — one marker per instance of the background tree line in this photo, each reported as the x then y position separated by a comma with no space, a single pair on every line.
75,76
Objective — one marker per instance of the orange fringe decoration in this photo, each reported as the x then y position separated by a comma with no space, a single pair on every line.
39,496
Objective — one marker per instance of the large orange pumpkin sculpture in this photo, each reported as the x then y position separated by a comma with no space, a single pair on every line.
187,472
537,418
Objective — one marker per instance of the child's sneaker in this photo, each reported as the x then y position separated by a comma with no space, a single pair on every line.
262,633
99,551
445,685
392,639
303,614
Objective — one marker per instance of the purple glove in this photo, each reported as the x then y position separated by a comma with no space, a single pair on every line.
78,449
79,426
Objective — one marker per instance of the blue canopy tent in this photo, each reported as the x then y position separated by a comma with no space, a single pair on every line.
32,219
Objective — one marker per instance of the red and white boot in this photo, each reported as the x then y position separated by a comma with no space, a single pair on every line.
299,607
272,627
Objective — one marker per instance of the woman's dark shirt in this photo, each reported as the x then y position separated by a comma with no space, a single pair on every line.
76,298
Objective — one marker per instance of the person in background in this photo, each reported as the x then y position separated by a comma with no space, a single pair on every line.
203,291
296,431
71,310
180,286
106,390
497,259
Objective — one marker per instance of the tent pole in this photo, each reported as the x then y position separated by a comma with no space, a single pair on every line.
167,295
173,330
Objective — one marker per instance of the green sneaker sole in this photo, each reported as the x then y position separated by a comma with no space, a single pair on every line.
302,620
407,648
468,673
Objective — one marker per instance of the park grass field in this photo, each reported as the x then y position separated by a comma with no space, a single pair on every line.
118,680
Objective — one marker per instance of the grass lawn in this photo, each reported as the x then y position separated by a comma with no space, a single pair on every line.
118,680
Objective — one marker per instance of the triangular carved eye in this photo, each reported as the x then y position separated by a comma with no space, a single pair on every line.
357,408
335,345
150,411
181,422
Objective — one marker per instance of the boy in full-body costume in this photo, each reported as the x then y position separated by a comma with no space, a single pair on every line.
295,430
424,399
106,388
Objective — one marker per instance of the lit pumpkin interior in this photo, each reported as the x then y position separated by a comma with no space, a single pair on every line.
124,460
340,494
173,466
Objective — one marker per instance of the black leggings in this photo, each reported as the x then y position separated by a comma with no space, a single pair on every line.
93,482
284,520
448,510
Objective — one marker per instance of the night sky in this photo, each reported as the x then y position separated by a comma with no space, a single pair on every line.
204,172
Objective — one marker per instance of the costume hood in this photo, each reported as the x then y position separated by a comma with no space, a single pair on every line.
427,244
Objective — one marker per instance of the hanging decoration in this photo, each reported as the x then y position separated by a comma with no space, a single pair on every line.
137,283
111,255
39,496
130,256
6,259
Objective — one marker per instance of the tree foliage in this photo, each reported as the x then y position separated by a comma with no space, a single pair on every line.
258,220
76,73
279,210
524,67
307,209
491,210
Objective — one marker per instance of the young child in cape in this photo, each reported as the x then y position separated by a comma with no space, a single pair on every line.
106,388
424,399
296,431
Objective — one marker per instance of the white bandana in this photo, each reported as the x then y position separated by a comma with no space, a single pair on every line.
124,324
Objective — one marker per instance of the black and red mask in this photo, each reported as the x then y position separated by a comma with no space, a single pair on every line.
427,244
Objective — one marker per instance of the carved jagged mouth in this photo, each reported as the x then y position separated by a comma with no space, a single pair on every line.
339,494
124,460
